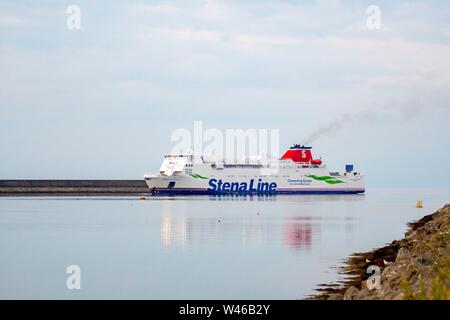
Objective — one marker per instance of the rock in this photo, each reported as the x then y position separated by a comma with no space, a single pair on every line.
387,271
363,294
389,274
403,255
381,292
336,296
364,285
412,235
426,258
351,293
399,296
430,228
388,295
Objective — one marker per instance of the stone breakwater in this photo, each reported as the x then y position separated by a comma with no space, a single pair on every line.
65,187
415,267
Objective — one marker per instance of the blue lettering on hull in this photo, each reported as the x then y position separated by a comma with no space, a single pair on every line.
220,187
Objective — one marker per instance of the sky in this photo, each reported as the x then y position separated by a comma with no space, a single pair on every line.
101,102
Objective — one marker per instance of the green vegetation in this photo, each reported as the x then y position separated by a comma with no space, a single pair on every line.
441,281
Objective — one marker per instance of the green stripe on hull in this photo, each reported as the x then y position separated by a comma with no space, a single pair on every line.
197,176
327,179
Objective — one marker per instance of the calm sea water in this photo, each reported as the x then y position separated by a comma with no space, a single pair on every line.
277,247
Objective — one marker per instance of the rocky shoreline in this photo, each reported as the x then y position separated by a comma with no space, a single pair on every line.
415,267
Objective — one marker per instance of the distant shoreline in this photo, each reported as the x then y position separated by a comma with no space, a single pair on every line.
415,267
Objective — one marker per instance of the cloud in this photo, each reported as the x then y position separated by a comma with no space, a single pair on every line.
155,9
12,21
187,34
265,40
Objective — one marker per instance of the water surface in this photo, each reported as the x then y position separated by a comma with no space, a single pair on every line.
269,247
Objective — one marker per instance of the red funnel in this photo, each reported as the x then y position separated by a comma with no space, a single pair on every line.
298,154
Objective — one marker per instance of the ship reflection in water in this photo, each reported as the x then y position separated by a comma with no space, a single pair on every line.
298,232
294,231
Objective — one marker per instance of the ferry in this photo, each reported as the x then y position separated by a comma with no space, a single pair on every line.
296,172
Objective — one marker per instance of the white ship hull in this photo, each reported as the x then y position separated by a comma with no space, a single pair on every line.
205,180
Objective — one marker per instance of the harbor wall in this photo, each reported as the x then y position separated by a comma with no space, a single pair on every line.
8,187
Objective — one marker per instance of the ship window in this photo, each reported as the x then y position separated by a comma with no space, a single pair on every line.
171,184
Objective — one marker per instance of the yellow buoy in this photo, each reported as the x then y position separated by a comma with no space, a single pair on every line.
419,204
142,198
